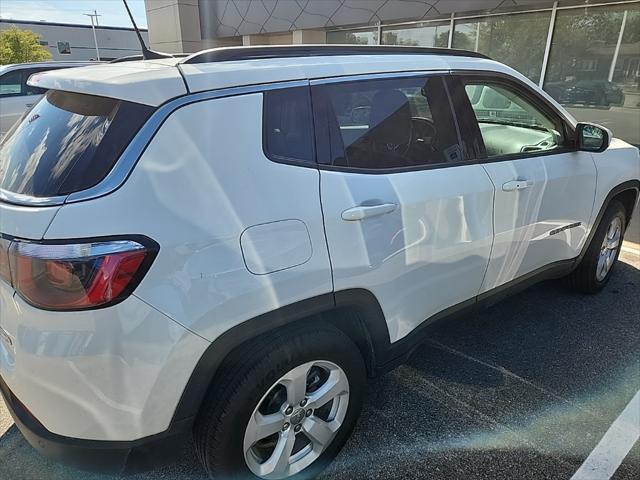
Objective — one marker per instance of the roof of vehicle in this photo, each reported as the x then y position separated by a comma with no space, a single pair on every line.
154,82
238,66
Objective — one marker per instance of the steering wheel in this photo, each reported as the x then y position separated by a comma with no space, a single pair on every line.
424,131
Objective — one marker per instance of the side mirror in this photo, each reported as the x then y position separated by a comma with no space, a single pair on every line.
593,138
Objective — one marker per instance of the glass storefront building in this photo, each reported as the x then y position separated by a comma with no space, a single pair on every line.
586,57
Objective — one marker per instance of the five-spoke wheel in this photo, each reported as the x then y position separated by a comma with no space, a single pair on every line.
296,420
283,406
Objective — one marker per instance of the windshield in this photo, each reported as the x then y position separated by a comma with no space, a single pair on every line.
66,143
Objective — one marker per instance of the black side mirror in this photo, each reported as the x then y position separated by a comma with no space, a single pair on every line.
593,138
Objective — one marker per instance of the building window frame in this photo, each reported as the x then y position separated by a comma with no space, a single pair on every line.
453,18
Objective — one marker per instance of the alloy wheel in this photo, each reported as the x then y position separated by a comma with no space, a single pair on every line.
609,249
296,420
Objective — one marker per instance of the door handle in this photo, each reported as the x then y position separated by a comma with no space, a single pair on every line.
367,211
29,105
516,185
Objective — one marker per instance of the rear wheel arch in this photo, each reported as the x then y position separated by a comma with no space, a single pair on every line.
356,313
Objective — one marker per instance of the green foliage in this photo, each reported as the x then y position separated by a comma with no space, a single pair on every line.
21,46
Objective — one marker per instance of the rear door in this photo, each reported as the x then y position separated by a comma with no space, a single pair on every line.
545,188
407,216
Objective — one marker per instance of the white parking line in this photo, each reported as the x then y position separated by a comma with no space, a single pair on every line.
630,247
605,459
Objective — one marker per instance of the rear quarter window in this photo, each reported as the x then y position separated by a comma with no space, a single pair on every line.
288,127
66,143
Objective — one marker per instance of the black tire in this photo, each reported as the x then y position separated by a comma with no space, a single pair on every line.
584,278
249,373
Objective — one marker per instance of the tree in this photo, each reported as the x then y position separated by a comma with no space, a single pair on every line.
21,46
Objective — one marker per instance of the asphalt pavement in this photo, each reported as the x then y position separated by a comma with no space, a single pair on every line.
525,389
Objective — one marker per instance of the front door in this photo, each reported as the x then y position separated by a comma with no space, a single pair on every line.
406,216
544,187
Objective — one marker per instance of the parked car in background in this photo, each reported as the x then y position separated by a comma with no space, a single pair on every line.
600,93
16,96
226,246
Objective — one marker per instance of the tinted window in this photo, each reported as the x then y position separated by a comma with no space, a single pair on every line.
68,142
510,123
382,124
288,132
11,83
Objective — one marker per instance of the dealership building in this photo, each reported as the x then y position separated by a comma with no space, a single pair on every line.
585,53
72,41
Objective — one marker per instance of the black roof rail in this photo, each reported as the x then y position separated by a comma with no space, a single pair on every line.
226,54
128,58
138,57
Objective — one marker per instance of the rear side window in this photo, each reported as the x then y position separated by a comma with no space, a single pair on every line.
385,124
67,143
288,130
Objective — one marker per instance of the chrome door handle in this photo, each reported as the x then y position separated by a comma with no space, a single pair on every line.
367,211
516,185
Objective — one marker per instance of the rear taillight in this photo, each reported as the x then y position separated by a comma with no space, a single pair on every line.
75,276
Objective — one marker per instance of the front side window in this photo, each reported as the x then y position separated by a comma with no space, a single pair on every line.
385,123
510,123
66,143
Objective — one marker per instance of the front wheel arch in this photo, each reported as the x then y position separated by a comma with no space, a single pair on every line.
627,193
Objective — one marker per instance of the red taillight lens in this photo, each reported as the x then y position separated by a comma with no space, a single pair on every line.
77,276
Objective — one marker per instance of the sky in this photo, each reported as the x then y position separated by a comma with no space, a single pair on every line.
71,11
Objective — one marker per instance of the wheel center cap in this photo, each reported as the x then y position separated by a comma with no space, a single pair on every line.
297,416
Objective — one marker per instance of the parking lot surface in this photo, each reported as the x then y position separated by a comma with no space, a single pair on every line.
525,389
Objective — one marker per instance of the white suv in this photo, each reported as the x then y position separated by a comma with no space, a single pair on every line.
229,244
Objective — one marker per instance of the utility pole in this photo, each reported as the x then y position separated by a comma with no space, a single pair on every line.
93,28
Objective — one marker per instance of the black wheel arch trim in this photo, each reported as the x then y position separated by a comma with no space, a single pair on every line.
629,185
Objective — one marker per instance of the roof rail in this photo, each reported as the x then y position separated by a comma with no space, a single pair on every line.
226,54
128,58
135,58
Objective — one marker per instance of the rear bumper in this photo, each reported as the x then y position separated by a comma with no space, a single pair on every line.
96,455
114,374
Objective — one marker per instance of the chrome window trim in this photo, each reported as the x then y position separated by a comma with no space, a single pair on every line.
132,153
29,201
